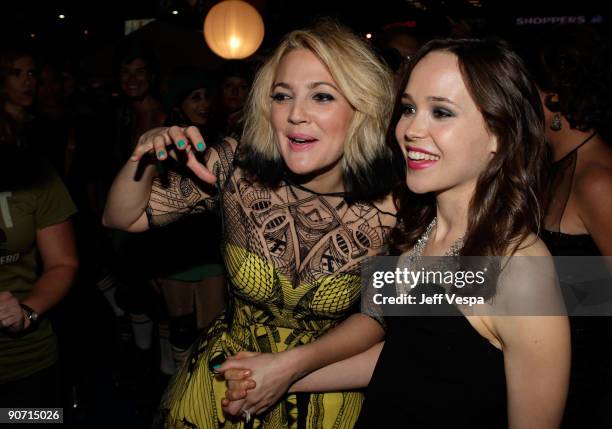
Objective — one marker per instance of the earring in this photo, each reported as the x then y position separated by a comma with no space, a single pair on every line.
555,125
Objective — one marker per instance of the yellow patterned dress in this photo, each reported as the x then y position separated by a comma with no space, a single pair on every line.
293,262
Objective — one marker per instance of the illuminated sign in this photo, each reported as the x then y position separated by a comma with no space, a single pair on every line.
552,20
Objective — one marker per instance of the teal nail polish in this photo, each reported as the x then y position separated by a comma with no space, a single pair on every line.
200,146
216,367
181,143
161,154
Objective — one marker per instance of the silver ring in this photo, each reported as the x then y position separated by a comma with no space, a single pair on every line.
247,415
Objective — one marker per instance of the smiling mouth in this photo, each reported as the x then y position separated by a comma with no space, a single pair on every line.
421,156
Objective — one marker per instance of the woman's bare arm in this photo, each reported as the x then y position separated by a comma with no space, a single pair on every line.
136,196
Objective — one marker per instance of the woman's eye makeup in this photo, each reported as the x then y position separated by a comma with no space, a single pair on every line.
440,112
322,96
437,111
408,109
279,96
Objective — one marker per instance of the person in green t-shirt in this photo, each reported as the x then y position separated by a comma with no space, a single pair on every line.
38,263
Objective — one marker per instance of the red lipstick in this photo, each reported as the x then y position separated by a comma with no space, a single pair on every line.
419,164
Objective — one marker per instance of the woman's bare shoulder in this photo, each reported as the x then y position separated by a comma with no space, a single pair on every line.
531,245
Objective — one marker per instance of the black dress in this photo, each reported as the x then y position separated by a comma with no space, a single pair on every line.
591,347
436,372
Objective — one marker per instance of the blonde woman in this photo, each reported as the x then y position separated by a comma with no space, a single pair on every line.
468,122
304,198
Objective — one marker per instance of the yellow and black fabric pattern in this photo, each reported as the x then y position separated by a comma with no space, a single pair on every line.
293,266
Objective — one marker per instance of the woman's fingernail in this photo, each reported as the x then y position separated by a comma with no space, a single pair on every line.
200,146
217,366
161,153
246,373
181,143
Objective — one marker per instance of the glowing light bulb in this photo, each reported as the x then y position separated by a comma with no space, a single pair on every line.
235,42
233,29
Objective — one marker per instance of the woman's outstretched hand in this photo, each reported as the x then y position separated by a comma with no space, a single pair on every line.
160,142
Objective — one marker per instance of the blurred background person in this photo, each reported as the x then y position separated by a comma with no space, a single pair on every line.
17,90
127,278
234,78
140,109
192,282
38,258
397,43
572,68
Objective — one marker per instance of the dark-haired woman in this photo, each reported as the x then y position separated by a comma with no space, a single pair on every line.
572,71
137,71
469,124
304,199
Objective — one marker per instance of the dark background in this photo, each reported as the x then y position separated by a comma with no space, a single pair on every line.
93,27
107,382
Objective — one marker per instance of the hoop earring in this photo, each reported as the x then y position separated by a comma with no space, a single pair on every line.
555,125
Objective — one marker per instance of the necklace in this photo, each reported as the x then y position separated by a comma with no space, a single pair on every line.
319,194
419,247
415,261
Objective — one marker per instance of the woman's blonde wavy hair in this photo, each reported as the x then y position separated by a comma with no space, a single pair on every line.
361,77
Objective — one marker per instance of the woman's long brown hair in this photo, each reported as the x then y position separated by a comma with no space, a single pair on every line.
505,207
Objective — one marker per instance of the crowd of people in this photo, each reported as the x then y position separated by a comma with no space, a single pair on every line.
62,147
226,215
